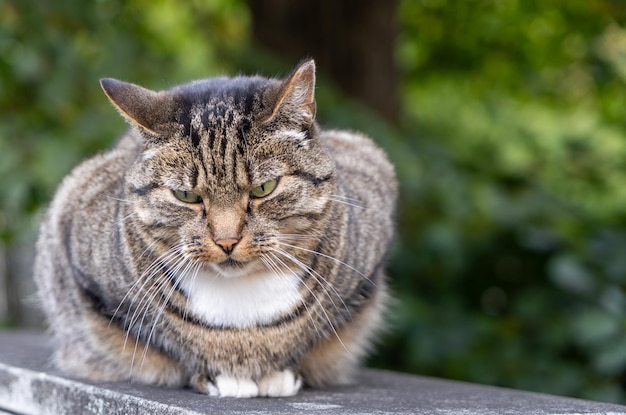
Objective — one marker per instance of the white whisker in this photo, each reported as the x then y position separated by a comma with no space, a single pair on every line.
329,257
146,276
118,199
272,258
121,220
134,312
194,276
147,300
186,264
323,282
344,202
350,199
296,237
319,303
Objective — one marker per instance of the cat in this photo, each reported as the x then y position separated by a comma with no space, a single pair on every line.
225,243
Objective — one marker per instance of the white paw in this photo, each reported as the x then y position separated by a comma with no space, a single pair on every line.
236,388
277,384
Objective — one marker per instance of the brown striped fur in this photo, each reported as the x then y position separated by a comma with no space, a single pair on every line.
120,255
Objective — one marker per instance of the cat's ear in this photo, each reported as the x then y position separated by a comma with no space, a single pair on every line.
296,99
140,106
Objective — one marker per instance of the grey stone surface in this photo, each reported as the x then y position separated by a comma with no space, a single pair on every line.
28,385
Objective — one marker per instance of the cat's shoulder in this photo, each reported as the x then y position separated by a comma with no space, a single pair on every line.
353,147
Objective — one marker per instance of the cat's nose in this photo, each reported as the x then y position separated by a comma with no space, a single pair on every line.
227,244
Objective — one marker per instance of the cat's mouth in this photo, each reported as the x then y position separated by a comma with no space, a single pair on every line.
230,264
230,268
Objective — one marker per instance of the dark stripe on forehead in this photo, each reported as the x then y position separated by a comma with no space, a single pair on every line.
211,142
229,119
185,120
212,161
312,178
223,145
246,124
242,142
244,98
194,137
233,163
144,190
248,104
204,117
194,174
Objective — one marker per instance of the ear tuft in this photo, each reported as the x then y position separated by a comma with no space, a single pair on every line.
140,106
296,99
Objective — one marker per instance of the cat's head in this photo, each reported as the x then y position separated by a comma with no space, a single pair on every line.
231,175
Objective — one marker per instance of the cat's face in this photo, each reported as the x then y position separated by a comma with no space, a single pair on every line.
229,210
236,182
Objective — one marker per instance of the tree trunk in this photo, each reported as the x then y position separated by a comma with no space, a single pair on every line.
352,42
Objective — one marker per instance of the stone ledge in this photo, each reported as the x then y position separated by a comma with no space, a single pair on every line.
28,385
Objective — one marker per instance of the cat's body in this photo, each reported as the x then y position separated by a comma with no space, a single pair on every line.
225,242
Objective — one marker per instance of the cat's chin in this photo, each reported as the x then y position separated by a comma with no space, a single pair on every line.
230,268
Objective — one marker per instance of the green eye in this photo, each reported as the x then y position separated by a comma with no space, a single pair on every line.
265,189
187,197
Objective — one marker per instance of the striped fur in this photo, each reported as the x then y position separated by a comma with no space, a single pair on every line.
232,294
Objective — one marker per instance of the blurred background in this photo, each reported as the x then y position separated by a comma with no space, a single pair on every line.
506,121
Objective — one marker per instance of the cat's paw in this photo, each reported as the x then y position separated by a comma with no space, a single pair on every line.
202,384
236,388
224,386
279,384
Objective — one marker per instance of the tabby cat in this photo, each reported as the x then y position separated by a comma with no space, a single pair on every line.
225,243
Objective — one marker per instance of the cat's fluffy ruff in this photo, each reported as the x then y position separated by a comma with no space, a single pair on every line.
225,186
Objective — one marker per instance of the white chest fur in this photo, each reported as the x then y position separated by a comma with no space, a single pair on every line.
241,302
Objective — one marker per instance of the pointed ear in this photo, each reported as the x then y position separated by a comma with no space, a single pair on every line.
140,106
296,99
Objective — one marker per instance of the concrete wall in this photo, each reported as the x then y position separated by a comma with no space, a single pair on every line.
29,386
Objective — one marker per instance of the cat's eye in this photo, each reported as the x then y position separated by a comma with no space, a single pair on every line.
265,189
187,197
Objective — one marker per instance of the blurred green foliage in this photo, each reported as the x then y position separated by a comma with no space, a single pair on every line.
510,266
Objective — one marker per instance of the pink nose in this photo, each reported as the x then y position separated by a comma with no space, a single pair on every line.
227,244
